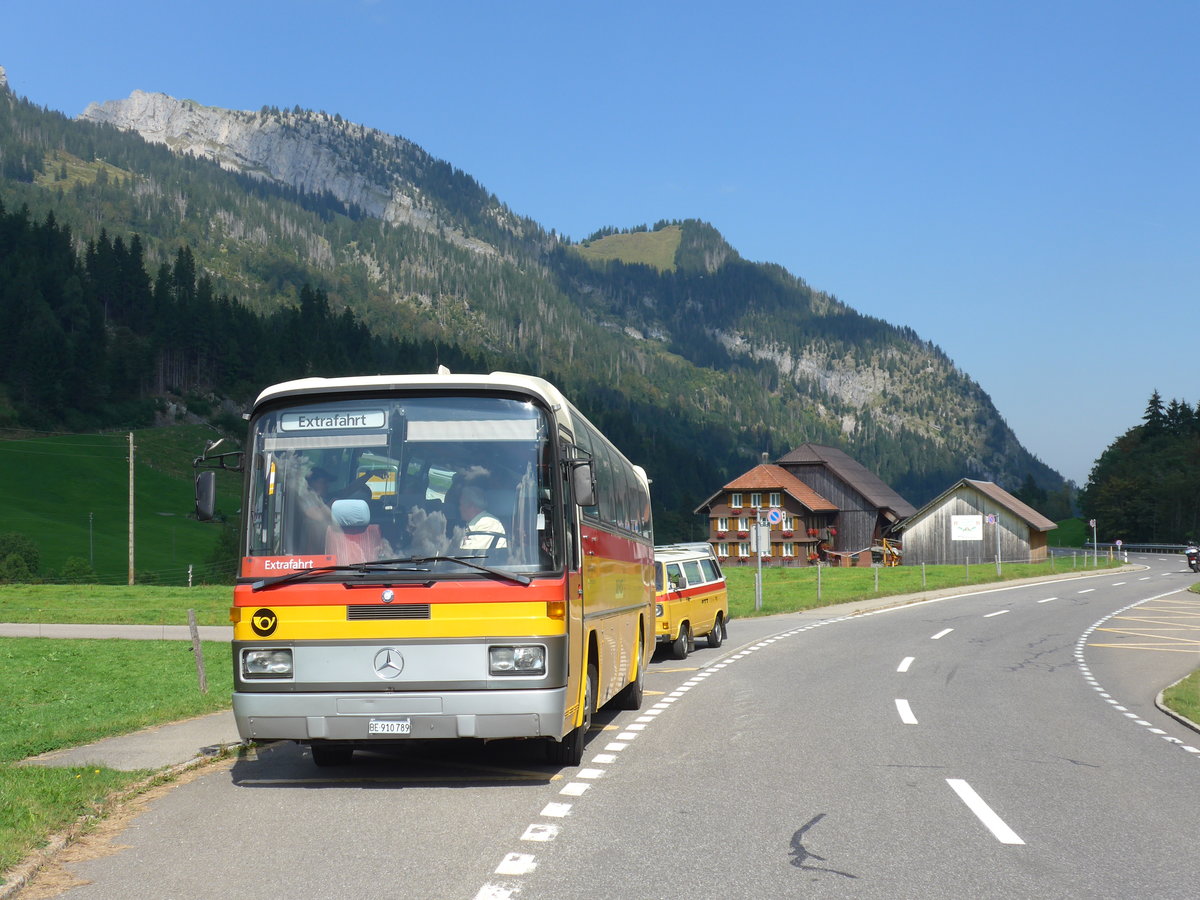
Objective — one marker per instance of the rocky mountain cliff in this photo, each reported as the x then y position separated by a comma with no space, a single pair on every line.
701,355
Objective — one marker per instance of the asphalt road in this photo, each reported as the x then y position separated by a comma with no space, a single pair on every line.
1000,744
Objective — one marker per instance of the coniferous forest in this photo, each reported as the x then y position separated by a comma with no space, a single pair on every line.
1145,488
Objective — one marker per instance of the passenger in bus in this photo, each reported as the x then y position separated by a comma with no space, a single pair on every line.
352,538
314,501
483,530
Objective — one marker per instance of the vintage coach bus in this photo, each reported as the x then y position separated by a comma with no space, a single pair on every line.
446,556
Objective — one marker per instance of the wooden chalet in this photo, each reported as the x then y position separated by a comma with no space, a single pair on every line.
868,510
975,521
806,529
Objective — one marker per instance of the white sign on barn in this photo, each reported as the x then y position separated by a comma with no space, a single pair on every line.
966,528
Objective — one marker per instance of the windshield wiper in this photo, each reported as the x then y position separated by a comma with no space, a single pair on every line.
466,561
389,565
383,565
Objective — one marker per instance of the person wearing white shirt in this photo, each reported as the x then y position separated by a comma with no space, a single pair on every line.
483,530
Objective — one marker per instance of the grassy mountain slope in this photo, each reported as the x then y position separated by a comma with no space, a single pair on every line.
70,495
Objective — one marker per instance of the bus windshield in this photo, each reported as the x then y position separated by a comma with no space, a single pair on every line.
347,481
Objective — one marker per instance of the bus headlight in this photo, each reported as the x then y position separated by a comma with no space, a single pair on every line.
275,662
523,660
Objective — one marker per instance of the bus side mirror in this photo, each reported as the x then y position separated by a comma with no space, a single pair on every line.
583,480
206,495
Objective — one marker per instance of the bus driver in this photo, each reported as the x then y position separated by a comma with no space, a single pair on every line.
483,530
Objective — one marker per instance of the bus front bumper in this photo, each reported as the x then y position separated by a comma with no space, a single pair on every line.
391,717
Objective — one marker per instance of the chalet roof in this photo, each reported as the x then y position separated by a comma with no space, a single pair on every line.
767,477
853,473
1034,519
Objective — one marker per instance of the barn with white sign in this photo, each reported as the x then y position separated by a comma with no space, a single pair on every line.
974,522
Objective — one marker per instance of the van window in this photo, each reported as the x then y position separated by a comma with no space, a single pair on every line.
675,576
692,569
709,567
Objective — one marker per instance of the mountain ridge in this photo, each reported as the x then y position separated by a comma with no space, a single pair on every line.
713,344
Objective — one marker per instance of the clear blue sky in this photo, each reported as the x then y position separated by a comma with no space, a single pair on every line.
1017,181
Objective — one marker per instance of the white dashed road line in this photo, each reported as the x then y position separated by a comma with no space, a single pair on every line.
905,663
941,634
906,713
985,814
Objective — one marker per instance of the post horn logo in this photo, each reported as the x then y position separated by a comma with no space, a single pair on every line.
263,622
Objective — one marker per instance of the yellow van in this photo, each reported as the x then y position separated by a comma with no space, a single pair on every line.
690,599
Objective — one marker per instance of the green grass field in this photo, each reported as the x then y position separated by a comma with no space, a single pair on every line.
70,495
73,692
112,604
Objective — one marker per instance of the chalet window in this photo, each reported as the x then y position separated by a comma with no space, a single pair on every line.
735,500
743,524
722,549
789,523
774,499
743,549
722,523
756,501
789,549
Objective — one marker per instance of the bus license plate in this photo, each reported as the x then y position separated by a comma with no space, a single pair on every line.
389,726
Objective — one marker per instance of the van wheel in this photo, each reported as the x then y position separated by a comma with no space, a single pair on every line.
325,754
716,636
682,644
569,751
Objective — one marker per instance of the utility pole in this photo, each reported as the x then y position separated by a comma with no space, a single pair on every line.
131,507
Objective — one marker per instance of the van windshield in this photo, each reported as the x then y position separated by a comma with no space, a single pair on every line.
340,482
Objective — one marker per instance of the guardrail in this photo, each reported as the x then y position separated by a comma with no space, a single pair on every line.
1136,548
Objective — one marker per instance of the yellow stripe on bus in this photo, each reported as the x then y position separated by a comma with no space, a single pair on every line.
450,620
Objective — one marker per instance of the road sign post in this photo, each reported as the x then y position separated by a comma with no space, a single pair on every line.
760,540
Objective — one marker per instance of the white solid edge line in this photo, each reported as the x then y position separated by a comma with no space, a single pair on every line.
985,814
906,713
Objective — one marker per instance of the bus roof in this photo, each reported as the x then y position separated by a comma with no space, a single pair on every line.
681,552
529,384
441,380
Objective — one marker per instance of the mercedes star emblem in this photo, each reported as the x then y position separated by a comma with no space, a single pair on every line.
389,663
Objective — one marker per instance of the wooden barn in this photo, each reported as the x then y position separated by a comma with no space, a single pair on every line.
868,510
974,522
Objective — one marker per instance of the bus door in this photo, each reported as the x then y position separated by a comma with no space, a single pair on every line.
576,633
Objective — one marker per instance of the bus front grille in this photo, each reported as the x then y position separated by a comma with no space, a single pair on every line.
402,611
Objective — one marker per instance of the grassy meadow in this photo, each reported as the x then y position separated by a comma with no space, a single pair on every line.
70,495
73,692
